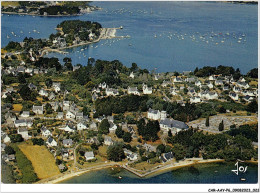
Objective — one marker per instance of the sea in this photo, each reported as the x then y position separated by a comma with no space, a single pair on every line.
210,173
164,36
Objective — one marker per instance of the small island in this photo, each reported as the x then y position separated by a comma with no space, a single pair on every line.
70,33
47,8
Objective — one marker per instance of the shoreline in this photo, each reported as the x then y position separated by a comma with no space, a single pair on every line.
157,171
172,166
66,176
32,14
106,33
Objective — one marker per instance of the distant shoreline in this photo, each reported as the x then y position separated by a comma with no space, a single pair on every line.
32,14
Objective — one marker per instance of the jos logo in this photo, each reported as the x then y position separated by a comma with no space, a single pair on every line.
241,169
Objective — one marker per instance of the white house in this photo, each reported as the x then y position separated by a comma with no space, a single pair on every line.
67,142
51,142
25,114
210,85
45,132
81,126
24,132
130,155
6,139
112,127
132,75
237,89
195,99
70,115
173,91
56,86
23,123
234,96
198,83
89,155
108,140
38,110
211,95
177,79
147,90
111,92
166,83
60,115
153,114
212,77
133,90
67,128
243,85
43,92
93,126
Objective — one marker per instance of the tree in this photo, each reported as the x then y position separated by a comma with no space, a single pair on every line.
48,108
253,73
160,148
104,127
119,132
127,137
221,126
252,107
48,82
169,133
16,138
21,78
179,151
9,150
115,153
37,141
27,94
207,122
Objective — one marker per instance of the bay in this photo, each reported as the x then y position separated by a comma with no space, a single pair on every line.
213,173
165,36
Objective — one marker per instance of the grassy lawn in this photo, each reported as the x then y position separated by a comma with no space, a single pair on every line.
42,160
17,107
9,3
145,166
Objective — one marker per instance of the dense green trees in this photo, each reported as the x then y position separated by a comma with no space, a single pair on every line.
26,93
16,138
252,107
249,131
104,127
48,63
109,105
59,10
13,46
115,153
38,141
221,126
148,131
48,82
192,143
127,137
207,122
119,132
9,150
253,73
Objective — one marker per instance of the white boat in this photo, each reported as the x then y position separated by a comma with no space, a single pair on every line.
242,179
120,177
7,37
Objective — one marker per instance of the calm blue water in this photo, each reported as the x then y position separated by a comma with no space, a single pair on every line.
219,173
188,34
